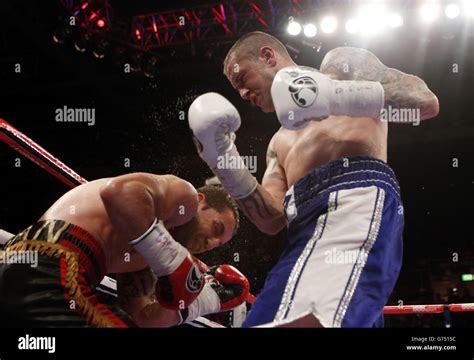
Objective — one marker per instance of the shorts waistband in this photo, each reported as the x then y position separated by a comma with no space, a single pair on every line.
353,170
69,237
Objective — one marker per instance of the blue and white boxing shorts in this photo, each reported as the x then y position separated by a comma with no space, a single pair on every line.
344,252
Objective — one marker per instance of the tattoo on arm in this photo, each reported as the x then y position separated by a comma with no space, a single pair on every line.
402,91
410,93
272,163
349,63
276,176
255,203
261,207
271,156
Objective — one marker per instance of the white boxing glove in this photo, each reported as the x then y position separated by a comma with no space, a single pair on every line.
213,121
301,94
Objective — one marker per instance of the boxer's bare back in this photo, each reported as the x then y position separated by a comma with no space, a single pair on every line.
84,206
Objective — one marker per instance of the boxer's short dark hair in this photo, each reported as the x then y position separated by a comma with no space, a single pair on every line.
218,199
248,47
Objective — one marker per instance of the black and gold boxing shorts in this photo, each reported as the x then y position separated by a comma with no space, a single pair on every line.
48,273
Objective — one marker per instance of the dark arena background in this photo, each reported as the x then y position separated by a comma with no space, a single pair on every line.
139,64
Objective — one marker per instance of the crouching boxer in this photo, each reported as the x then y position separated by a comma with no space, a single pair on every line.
114,225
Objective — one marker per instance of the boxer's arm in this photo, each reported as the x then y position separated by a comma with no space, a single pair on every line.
264,207
226,289
130,202
402,91
135,294
133,201
274,180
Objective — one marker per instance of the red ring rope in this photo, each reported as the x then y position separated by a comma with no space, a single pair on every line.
428,309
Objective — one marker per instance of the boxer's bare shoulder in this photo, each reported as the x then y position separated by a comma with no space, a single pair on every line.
180,201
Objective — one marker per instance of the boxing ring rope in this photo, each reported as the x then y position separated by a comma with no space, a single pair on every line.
27,147
446,309
428,309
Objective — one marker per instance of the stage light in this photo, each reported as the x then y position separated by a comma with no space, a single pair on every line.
468,8
100,49
328,24
372,18
394,20
310,30
294,28
62,33
100,23
56,38
429,12
138,34
81,43
352,26
452,11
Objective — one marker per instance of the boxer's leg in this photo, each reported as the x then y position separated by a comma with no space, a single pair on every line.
350,271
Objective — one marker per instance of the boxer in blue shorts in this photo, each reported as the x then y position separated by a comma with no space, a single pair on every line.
327,179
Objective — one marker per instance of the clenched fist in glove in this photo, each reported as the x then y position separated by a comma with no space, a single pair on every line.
213,121
225,288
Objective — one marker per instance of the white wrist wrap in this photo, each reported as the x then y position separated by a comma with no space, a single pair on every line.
207,302
159,249
357,98
234,175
